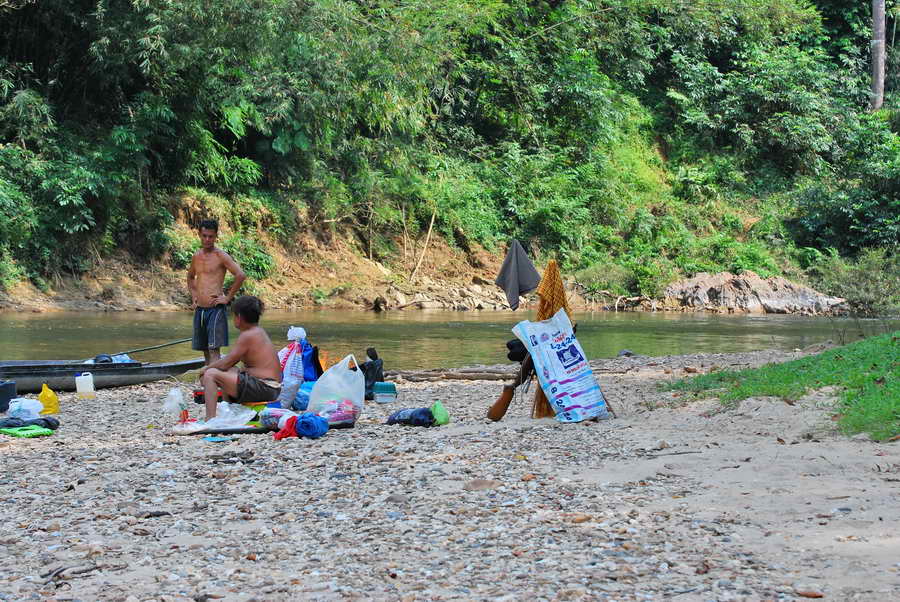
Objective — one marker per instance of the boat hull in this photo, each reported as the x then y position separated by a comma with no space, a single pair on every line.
60,375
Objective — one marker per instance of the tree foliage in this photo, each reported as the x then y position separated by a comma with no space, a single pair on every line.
652,135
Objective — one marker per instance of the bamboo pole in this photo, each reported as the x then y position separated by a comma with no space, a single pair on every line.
425,248
179,341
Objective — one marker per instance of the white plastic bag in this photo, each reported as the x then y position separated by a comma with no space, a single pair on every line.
562,368
291,358
274,418
228,415
339,394
24,408
291,355
174,402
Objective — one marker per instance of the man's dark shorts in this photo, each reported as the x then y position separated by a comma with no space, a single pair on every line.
251,389
210,328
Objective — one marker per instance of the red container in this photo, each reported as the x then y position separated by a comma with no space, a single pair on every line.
198,396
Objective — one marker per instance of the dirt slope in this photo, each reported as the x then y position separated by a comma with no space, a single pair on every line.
315,273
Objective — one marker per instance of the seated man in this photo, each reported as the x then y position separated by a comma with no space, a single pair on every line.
260,380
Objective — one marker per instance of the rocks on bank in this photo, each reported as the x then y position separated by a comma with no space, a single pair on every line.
720,293
748,293
427,293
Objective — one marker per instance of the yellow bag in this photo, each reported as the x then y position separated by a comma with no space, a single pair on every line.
49,399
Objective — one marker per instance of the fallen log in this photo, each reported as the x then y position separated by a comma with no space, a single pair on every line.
478,376
503,371
433,375
410,304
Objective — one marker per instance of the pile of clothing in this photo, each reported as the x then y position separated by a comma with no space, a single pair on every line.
291,424
35,427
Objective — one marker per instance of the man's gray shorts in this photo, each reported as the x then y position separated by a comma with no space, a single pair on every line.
210,328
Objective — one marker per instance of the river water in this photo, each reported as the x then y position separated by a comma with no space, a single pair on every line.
419,339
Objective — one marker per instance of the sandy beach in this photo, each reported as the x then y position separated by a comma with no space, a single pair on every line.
675,499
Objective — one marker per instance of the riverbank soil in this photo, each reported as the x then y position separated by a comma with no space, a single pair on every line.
315,274
335,274
675,499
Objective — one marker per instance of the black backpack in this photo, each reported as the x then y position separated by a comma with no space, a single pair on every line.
373,370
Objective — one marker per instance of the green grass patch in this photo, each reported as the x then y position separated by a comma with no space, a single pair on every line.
867,371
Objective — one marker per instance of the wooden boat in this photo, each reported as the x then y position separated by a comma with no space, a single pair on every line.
60,374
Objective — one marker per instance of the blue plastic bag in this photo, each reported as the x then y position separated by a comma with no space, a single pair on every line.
306,354
301,400
412,417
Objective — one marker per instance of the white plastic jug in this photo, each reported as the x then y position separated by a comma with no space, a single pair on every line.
84,385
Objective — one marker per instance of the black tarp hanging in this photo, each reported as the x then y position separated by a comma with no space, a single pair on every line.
518,275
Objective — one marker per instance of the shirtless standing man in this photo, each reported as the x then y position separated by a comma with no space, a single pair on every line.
205,280
260,380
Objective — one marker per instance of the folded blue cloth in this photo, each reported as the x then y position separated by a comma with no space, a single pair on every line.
311,426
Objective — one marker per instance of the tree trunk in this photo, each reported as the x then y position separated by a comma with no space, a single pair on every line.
878,36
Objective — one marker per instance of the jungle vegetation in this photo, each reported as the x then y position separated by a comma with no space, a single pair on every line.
634,140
